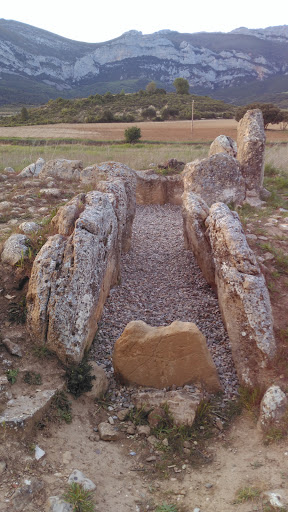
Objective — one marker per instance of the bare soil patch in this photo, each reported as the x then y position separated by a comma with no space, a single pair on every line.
167,131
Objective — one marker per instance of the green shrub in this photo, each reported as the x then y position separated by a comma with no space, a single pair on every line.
132,134
79,378
80,498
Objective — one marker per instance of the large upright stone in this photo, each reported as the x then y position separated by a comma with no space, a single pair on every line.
242,294
195,212
71,278
96,174
223,144
251,147
217,178
164,356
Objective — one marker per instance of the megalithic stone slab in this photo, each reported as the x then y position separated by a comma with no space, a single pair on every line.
163,356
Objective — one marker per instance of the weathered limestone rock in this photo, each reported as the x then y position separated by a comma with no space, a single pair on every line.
5,205
13,348
182,405
51,192
242,294
64,221
153,188
79,478
57,504
29,227
108,171
32,169
216,178
223,144
108,432
115,187
251,147
23,411
195,212
71,278
163,356
62,168
15,249
100,383
273,407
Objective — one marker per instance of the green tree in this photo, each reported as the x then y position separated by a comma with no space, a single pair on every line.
151,87
181,85
132,134
24,114
271,113
149,112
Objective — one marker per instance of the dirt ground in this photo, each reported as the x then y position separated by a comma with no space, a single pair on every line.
167,131
125,480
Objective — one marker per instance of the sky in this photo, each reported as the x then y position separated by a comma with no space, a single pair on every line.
94,22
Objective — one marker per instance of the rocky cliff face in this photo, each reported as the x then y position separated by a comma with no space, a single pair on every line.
205,60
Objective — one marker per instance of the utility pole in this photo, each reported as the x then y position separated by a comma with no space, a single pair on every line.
192,119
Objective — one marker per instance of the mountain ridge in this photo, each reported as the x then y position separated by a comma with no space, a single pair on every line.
211,62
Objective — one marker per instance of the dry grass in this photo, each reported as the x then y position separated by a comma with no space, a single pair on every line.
138,156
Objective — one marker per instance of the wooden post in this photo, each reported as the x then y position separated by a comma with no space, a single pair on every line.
192,119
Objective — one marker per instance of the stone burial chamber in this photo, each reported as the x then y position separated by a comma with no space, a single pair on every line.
75,269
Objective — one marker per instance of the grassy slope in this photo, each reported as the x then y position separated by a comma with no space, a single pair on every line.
123,107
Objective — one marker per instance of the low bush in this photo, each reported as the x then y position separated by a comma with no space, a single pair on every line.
132,134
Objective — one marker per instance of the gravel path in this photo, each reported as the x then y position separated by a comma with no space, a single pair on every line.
160,283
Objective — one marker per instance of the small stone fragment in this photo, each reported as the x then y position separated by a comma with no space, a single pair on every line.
144,430
152,440
57,504
122,414
39,453
152,458
79,478
3,466
273,407
12,348
108,432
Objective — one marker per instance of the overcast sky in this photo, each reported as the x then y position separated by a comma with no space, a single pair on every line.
93,21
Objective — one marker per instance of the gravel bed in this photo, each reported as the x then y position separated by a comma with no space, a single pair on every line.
160,283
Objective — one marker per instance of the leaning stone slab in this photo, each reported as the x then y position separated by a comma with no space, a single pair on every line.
251,148
32,169
273,407
107,172
195,212
15,249
216,178
22,412
182,404
164,356
62,168
242,294
71,278
223,144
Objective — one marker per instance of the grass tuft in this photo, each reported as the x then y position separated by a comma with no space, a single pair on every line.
80,499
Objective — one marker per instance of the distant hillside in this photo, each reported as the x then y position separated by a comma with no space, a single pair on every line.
36,65
157,106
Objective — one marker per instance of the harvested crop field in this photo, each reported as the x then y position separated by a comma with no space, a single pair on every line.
167,131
